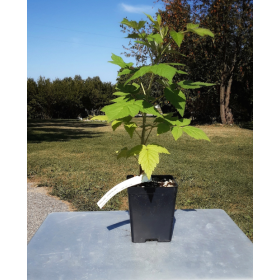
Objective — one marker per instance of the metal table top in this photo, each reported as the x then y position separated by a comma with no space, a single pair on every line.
206,244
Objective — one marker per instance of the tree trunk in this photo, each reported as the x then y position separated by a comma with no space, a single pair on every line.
228,113
222,104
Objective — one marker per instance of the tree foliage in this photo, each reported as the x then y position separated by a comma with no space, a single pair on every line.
227,59
66,98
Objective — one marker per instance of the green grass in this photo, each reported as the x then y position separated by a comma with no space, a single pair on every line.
78,160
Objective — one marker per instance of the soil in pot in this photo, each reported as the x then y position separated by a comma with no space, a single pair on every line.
151,209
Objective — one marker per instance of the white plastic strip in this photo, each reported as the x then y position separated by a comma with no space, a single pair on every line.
123,185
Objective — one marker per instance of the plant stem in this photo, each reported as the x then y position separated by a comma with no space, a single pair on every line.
149,134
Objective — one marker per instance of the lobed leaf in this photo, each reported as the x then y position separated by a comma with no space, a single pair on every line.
130,128
162,128
195,132
176,98
149,157
176,132
119,61
177,37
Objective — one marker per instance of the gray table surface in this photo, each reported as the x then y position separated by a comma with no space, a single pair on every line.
206,244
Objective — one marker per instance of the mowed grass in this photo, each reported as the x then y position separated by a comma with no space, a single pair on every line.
78,161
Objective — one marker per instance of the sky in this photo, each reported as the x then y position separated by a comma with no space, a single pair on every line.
77,37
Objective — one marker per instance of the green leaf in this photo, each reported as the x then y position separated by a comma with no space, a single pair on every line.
149,157
176,64
167,118
193,85
125,119
183,122
119,61
181,72
177,37
149,108
159,19
116,124
199,31
130,127
176,132
134,88
151,19
124,72
100,118
192,26
162,128
122,109
162,70
177,99
203,32
135,150
195,132
133,36
141,24
121,93
155,37
130,23
123,153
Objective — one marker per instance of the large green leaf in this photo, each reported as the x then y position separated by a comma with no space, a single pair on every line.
176,132
193,85
183,122
162,128
121,109
177,99
162,70
195,132
130,127
149,157
119,61
177,37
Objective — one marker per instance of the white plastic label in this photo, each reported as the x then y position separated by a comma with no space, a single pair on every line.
123,185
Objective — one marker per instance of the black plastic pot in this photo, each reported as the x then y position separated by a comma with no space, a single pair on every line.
151,211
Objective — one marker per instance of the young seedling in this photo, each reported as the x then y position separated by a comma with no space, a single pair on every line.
133,98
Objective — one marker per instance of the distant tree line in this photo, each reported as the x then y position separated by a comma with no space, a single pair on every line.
67,98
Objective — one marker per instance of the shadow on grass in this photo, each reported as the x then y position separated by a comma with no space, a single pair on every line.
57,134
63,123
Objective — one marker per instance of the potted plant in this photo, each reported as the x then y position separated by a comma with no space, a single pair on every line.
152,200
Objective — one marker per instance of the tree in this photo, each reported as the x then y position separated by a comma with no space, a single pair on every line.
227,59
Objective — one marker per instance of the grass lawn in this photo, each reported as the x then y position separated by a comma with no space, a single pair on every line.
78,161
